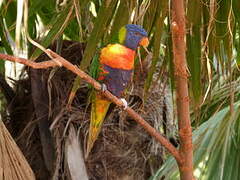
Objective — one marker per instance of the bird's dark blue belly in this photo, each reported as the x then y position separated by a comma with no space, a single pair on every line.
116,80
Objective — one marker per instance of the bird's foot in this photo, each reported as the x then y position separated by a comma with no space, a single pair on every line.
125,104
103,87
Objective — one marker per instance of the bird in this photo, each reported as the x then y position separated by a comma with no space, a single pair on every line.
116,64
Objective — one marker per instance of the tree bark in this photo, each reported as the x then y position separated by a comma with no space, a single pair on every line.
181,80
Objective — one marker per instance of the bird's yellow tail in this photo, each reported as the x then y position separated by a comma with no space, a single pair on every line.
98,112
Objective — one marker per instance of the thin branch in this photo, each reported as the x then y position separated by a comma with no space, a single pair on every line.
60,61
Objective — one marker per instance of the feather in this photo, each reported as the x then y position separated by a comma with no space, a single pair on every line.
98,112
115,71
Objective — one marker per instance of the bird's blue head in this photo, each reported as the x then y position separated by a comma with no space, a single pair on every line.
133,36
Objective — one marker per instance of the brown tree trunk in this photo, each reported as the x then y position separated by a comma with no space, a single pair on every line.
181,78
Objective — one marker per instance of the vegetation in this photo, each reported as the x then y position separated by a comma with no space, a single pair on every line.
212,53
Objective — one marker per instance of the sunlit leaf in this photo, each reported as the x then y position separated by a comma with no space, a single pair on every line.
215,141
194,48
58,25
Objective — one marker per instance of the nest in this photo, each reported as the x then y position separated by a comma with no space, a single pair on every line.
122,151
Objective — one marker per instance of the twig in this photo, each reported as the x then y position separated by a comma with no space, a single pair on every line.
60,61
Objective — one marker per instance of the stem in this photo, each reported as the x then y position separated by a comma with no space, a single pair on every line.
60,61
181,77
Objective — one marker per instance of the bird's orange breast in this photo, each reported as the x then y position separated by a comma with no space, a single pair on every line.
117,56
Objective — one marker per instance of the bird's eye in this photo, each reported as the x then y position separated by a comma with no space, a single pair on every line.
137,33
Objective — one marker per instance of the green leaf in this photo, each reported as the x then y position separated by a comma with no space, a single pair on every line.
100,25
97,33
3,36
121,19
194,49
215,141
72,30
58,24
94,68
151,15
156,46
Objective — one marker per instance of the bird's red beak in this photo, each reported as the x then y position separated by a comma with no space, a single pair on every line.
144,42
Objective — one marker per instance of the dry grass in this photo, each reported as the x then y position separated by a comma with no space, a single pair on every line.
13,164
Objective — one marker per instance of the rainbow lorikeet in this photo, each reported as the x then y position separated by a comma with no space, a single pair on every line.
116,68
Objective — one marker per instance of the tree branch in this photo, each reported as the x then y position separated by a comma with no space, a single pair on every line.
181,79
60,61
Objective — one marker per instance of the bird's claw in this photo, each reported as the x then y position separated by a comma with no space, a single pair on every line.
125,104
103,87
